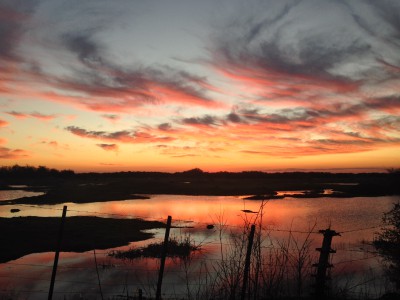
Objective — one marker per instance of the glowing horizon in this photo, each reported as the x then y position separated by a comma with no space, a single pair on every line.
172,86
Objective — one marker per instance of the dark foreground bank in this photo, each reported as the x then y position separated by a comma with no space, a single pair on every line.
25,235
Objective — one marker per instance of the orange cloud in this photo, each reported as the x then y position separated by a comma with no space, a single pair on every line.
3,123
6,153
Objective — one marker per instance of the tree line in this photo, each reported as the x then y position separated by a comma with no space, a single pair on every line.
17,171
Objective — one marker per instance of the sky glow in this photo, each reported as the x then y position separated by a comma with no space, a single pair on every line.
220,85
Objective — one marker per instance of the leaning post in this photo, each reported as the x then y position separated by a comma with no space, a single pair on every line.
247,262
57,254
163,256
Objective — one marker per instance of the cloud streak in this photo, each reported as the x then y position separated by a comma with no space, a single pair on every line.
7,153
124,136
109,147
36,115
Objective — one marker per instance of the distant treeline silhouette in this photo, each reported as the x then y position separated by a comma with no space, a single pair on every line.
42,171
17,171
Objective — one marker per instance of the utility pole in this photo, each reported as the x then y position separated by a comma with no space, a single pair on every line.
163,256
323,263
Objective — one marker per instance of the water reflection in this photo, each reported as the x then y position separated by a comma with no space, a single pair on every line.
357,219
15,194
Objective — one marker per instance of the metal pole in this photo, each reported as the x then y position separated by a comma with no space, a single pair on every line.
247,262
163,256
57,254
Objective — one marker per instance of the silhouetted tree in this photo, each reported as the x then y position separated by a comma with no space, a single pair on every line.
193,172
393,171
17,171
388,243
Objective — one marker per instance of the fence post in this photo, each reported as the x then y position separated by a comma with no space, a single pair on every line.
57,254
163,256
97,272
323,263
247,262
140,294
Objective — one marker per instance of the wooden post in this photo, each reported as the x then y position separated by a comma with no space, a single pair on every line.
247,262
323,263
97,272
57,254
140,294
163,256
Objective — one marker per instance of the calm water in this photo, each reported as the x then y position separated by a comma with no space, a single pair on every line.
356,218
15,194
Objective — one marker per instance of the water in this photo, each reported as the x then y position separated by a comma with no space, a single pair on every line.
15,194
358,219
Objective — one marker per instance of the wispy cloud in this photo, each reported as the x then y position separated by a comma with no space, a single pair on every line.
111,117
12,17
201,121
124,136
36,115
117,88
92,79
108,147
7,153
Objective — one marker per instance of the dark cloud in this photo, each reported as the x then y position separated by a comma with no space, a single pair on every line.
291,40
123,136
343,142
13,15
131,85
202,121
165,127
88,51
390,12
108,147
234,118
111,117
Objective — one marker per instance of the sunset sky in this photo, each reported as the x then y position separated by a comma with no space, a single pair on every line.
100,85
